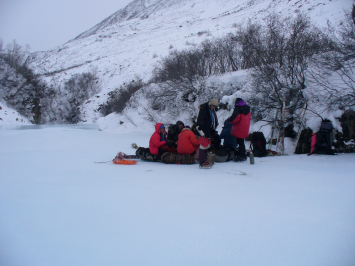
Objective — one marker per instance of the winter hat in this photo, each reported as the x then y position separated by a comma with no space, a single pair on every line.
179,123
162,126
238,100
214,102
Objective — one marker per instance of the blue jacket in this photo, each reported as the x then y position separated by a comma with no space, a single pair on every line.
229,140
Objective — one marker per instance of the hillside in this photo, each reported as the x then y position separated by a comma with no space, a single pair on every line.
132,40
130,43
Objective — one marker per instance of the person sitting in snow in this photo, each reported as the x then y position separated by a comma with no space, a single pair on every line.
157,142
187,142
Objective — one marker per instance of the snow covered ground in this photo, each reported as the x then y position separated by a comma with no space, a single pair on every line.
58,207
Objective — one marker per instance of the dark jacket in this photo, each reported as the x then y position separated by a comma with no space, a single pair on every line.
207,119
173,133
240,119
229,139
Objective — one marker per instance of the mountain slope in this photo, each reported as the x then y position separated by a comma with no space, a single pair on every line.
130,42
136,9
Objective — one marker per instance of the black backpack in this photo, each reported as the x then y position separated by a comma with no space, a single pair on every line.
224,154
258,144
325,138
144,154
172,135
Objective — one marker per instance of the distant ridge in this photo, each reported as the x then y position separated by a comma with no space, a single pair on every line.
135,9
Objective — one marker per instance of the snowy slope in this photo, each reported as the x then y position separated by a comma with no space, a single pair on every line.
128,44
58,207
131,41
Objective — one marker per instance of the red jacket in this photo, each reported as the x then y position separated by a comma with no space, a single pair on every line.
240,126
240,119
187,142
155,141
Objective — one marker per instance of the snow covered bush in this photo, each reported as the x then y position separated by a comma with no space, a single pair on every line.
119,97
62,102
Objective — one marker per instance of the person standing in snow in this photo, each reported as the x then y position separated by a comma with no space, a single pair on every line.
206,125
240,120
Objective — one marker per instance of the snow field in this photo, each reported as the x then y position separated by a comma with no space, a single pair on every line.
58,207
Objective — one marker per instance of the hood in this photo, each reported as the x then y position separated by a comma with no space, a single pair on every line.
180,123
240,102
203,105
157,127
245,109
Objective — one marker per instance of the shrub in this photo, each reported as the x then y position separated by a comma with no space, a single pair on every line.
119,97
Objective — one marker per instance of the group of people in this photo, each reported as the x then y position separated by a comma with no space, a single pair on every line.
202,136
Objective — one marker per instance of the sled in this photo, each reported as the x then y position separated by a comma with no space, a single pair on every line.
125,162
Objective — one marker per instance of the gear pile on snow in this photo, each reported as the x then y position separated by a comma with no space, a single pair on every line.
122,158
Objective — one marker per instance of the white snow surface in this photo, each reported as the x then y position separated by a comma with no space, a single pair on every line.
58,207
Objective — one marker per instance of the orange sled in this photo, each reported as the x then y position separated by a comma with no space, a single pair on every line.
126,162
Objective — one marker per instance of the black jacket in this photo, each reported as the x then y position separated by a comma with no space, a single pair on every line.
204,120
173,133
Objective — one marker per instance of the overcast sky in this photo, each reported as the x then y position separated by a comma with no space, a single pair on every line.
45,24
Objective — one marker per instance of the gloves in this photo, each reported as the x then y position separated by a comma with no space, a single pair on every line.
198,128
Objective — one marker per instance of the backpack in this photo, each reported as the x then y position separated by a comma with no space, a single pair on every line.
324,139
258,144
172,136
144,154
224,154
172,131
304,142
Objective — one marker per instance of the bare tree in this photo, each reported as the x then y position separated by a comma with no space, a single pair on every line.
280,56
